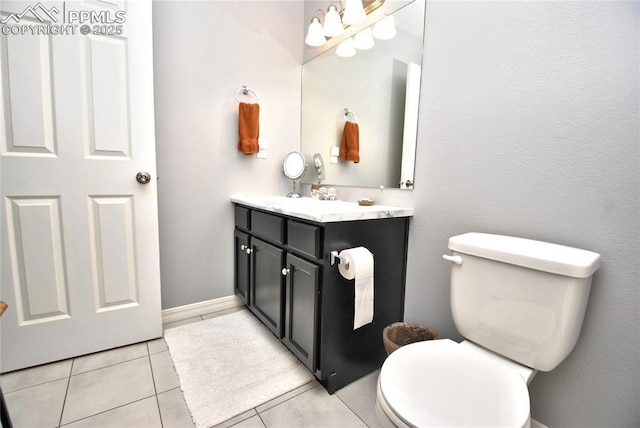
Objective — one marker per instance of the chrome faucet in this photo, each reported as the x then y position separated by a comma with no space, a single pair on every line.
324,194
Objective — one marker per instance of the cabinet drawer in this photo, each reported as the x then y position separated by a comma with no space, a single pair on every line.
268,226
242,217
304,237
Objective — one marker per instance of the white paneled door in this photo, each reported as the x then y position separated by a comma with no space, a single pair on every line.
80,255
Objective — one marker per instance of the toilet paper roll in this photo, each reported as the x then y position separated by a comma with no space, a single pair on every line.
359,268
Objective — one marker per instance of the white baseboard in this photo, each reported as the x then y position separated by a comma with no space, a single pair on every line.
200,308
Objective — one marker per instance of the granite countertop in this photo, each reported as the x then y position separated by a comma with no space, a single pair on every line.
321,211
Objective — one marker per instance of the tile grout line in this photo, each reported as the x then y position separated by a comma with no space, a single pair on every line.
110,365
261,420
34,385
258,413
66,392
153,379
352,411
107,410
100,368
292,396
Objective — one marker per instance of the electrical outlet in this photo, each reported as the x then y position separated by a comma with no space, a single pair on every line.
263,143
334,152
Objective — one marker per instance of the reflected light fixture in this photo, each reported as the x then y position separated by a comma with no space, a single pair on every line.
335,21
353,12
332,23
346,48
385,29
363,40
315,33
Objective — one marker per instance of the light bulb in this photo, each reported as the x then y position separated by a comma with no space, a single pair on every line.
354,12
385,29
332,24
364,40
346,48
315,36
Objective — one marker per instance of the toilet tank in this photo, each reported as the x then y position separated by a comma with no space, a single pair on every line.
520,298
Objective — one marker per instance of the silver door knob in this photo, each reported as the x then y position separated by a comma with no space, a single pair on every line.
143,177
249,250
285,271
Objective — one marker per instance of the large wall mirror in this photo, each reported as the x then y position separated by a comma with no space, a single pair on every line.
380,87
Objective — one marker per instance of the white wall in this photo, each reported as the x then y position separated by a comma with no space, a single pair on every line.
528,126
203,53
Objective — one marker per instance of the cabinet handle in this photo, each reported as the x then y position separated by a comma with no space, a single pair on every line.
243,247
285,271
249,250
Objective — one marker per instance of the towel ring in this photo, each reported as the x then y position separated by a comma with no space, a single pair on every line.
348,112
245,91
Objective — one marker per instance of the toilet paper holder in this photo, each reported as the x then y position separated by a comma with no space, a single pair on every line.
335,257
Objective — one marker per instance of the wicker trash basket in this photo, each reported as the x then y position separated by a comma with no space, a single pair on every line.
403,333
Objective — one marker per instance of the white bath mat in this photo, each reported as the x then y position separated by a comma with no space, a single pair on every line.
230,364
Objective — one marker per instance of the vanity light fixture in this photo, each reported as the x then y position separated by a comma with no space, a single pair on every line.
332,23
385,29
335,21
353,12
363,40
315,34
346,48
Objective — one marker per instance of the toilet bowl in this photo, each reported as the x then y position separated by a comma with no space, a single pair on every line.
520,305
443,383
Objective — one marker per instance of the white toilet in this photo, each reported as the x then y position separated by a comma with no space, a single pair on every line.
521,304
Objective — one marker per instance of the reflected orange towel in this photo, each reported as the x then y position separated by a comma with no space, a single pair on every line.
350,147
248,128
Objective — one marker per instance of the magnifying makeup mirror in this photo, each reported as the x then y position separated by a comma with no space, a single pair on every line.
293,167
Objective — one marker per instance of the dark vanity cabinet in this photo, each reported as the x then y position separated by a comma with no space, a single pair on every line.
284,275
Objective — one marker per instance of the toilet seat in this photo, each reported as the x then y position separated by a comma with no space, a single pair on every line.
440,383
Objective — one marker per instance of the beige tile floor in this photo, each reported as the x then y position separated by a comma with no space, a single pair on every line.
136,386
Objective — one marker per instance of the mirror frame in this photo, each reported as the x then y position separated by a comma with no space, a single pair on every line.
292,160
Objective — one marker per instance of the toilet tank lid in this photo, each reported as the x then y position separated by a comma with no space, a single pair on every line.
543,256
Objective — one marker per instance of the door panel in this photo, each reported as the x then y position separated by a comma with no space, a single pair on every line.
80,251
29,94
108,95
37,252
112,239
266,284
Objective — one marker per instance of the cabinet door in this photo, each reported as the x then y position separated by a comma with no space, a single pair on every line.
266,284
301,308
241,266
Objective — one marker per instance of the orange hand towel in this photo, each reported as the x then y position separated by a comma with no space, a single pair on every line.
248,128
350,147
